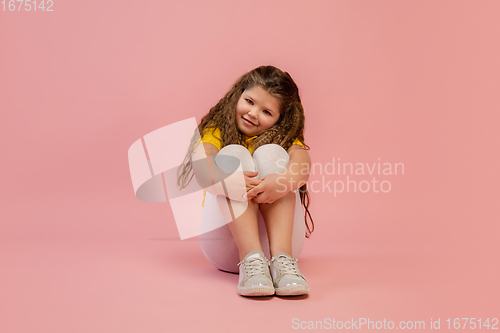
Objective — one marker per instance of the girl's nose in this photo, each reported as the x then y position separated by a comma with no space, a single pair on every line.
253,113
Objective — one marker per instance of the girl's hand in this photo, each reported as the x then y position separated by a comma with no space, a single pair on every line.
235,187
250,181
272,188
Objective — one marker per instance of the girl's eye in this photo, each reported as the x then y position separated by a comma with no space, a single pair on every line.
249,101
269,113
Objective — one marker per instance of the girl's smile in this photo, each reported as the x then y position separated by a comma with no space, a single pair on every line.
256,111
249,122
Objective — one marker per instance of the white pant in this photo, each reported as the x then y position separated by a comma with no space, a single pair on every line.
218,245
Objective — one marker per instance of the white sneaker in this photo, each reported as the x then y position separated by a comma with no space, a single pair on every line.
255,278
288,280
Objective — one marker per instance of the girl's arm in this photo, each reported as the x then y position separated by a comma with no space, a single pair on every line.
297,171
202,156
277,185
206,172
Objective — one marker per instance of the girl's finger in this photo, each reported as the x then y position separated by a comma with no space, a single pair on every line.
254,182
251,194
260,198
250,173
254,192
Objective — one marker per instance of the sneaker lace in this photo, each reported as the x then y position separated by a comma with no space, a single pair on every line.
287,265
254,266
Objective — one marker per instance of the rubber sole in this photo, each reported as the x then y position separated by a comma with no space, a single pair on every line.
256,291
292,291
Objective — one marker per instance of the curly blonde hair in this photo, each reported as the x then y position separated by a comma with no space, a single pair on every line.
290,125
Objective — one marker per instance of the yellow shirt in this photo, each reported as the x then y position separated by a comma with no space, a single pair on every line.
212,135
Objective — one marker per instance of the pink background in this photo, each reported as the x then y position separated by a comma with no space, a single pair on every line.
413,82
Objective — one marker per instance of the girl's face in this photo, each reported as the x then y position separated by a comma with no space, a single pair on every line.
256,111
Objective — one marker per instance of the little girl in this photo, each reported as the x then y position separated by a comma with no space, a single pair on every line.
261,122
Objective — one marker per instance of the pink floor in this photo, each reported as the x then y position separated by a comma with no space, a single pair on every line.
147,280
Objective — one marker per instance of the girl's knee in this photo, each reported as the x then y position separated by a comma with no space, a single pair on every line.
234,149
231,156
271,147
270,158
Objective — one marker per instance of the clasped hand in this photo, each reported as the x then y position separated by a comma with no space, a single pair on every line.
267,189
239,183
271,188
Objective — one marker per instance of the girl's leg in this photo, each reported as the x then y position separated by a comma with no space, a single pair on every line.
253,266
284,218
279,218
245,230
224,247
